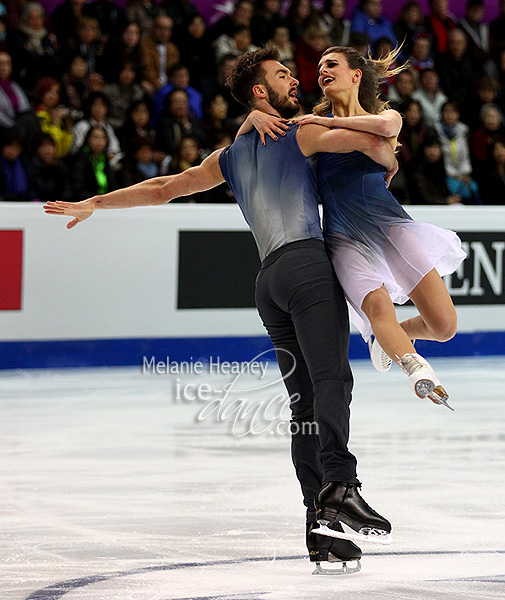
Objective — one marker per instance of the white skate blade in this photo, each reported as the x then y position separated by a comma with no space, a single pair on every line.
374,537
343,569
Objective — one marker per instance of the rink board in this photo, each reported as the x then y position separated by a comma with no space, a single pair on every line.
178,281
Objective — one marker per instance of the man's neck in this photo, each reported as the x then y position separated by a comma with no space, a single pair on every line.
266,107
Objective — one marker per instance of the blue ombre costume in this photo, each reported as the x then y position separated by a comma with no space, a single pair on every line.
299,300
372,240
275,187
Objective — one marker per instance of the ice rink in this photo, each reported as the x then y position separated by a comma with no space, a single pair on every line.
121,485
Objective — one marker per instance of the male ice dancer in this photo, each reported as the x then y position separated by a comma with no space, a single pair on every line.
298,296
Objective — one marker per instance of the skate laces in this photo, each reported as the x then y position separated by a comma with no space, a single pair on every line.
411,363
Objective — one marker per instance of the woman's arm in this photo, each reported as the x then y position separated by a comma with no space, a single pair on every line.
264,123
386,124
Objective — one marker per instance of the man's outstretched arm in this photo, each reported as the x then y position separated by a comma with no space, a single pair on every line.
151,192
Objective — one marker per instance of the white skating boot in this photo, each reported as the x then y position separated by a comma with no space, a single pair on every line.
423,381
380,360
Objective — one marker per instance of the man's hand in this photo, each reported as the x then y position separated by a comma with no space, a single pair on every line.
390,173
80,210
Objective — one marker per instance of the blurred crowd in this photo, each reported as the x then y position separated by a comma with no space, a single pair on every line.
97,95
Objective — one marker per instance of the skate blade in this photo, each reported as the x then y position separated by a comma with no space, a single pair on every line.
425,388
374,536
344,568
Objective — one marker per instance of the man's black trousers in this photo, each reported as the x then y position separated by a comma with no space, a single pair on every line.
303,308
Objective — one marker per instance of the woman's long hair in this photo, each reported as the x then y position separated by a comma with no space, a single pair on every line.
374,71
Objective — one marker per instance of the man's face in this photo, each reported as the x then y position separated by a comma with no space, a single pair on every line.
281,87
162,30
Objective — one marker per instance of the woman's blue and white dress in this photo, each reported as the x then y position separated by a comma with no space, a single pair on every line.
371,239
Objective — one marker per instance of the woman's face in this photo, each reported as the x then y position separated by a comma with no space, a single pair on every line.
131,35
413,115
98,110
5,65
491,119
196,28
303,9
179,105
79,68
189,150
51,98
35,19
499,153
219,108
140,116
126,76
97,141
450,116
433,153
335,75
87,33
337,9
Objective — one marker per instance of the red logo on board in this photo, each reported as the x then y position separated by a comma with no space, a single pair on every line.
11,269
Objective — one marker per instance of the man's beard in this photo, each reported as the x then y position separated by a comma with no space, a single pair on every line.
283,106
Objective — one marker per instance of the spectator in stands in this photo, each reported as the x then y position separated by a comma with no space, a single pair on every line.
440,23
266,18
122,94
308,50
122,49
409,24
3,33
477,37
360,42
48,176
420,57
54,118
88,45
430,96
32,49
196,50
175,123
429,180
142,12
158,52
241,14
238,42
333,22
136,125
111,16
140,164
404,85
14,185
216,123
178,79
95,115
497,30
13,100
453,135
283,43
457,76
412,135
188,153
216,84
301,15
180,11
64,19
490,130
492,183
367,19
76,87
91,172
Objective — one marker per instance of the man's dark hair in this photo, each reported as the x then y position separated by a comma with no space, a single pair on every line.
248,72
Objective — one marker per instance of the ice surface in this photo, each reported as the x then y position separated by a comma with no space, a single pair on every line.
112,489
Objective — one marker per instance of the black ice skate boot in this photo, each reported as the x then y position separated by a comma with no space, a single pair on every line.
334,551
342,502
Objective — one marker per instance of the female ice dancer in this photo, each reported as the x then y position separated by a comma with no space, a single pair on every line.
379,253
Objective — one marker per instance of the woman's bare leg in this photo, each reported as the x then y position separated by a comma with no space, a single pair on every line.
437,318
380,311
